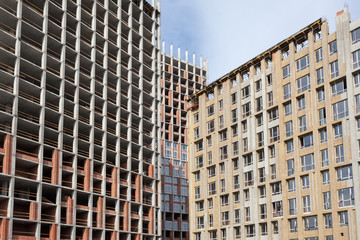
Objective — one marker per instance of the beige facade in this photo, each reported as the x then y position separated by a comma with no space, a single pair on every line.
273,145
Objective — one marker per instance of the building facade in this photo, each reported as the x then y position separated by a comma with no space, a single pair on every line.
79,126
273,145
180,79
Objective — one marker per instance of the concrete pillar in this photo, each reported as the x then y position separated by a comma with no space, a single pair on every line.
87,179
113,236
53,232
86,234
69,210
4,229
137,237
55,169
126,217
151,170
137,187
100,214
151,222
33,211
7,161
114,178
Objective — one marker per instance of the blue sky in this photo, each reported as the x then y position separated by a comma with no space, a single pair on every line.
230,32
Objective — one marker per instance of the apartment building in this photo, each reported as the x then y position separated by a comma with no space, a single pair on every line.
180,79
274,144
79,126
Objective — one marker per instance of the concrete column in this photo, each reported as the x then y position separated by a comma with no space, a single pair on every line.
69,210
126,217
87,180
113,236
7,162
86,234
137,186
4,229
114,178
55,169
33,211
151,222
151,170
137,237
100,214
53,232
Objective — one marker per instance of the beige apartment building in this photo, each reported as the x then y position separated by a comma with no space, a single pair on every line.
273,145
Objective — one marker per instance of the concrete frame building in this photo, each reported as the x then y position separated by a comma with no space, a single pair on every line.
180,79
274,144
79,126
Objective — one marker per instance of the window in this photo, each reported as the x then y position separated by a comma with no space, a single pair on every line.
222,167
276,188
213,235
275,225
272,151
323,135
237,216
263,211
221,104
209,141
320,75
324,158
200,206
260,138
196,133
318,35
247,214
356,59
237,232
235,163
196,117
287,91
209,157
237,197
338,130
344,218
273,171
210,203
301,102
274,134
212,188
290,167
259,104
306,204
307,162
223,152
346,197
288,108
262,175
211,220
318,55
269,79
245,145
321,94
247,195
197,193
225,218
220,89
263,229
211,126
200,222
357,79
291,185
236,181
246,109
339,154
355,35
322,116
257,69
199,146
302,63
234,130
332,47
286,71
234,98
244,126
306,140
328,220
334,69
221,121
327,200
249,178
262,191
258,85
245,92
235,148
273,114
270,98
197,176
303,43
305,181
329,237
250,230
340,109
344,173
293,225
245,75
199,162
292,206
223,135
212,171
289,146
338,87
357,102
260,155
302,123
285,53
259,120
277,209
303,83
310,223
210,110
325,177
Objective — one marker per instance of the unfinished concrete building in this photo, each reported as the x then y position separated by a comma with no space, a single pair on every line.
179,80
274,144
79,126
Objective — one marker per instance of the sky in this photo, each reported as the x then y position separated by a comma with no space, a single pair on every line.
231,32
